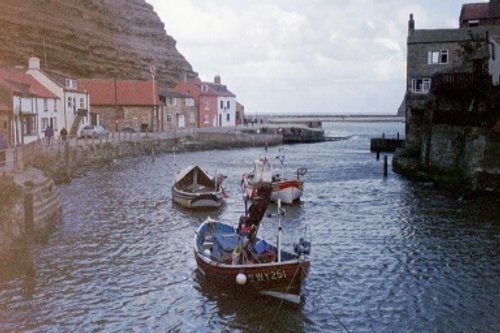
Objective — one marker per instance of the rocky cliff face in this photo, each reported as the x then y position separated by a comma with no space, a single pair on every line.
91,38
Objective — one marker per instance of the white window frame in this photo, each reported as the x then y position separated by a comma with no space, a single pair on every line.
420,85
435,57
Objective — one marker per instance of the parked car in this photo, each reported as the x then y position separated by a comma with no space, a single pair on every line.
94,131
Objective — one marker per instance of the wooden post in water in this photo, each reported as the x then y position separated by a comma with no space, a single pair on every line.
378,155
385,166
28,215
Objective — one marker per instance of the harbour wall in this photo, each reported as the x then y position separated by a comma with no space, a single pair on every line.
457,157
35,208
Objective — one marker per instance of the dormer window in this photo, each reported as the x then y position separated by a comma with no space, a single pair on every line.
71,84
204,88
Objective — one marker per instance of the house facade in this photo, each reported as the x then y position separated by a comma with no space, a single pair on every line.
494,60
129,104
216,104
431,52
480,14
29,107
177,110
74,109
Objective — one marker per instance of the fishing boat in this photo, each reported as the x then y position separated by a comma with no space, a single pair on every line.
238,261
194,188
288,190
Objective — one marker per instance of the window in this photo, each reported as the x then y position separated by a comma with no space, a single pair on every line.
45,123
70,102
45,105
71,84
206,105
228,117
169,119
204,88
421,85
222,104
81,103
191,117
206,120
437,57
228,104
189,102
171,101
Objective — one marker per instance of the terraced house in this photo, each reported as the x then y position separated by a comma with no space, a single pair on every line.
73,111
28,108
215,102
124,104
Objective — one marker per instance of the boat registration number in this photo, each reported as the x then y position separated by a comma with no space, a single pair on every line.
269,276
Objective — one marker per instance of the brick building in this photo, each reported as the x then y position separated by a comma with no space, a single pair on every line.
216,104
124,103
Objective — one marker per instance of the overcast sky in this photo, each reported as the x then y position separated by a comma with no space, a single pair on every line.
304,56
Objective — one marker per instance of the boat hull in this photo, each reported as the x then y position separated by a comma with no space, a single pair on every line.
284,278
288,191
197,200
215,245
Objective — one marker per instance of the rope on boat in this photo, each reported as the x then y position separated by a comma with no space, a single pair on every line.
282,300
331,311
317,293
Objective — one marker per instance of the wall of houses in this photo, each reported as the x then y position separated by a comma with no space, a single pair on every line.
179,115
116,118
207,111
226,109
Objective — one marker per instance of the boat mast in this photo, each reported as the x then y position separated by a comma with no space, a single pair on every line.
281,212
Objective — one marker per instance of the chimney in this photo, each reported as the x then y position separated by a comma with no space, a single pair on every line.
217,79
411,25
34,63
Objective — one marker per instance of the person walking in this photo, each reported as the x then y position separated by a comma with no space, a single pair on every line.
64,135
49,133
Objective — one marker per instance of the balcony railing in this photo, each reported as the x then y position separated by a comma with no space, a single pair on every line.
460,83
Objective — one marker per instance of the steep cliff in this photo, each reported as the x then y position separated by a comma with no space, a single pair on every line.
91,38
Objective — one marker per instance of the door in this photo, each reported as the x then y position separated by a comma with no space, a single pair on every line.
182,122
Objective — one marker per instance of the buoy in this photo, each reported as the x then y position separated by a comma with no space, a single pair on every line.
241,279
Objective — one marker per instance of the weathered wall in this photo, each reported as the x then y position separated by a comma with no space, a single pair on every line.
33,214
469,154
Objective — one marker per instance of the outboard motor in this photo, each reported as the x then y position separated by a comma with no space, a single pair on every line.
303,247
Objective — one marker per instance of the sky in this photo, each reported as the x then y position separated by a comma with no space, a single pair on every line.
304,56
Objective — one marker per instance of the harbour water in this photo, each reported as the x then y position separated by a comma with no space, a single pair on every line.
388,254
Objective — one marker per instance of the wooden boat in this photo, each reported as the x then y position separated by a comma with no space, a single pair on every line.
238,261
194,188
287,190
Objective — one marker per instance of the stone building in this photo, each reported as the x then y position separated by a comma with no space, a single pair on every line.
124,104
437,51
452,103
178,110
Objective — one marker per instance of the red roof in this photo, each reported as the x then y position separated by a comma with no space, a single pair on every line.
212,89
18,82
121,92
477,11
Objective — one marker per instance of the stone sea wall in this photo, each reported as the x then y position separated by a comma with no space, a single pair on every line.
458,157
35,210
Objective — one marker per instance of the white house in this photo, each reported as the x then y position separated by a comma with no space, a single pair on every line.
74,109
226,104
33,107
494,61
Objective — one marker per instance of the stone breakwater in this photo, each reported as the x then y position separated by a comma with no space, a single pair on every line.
34,212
